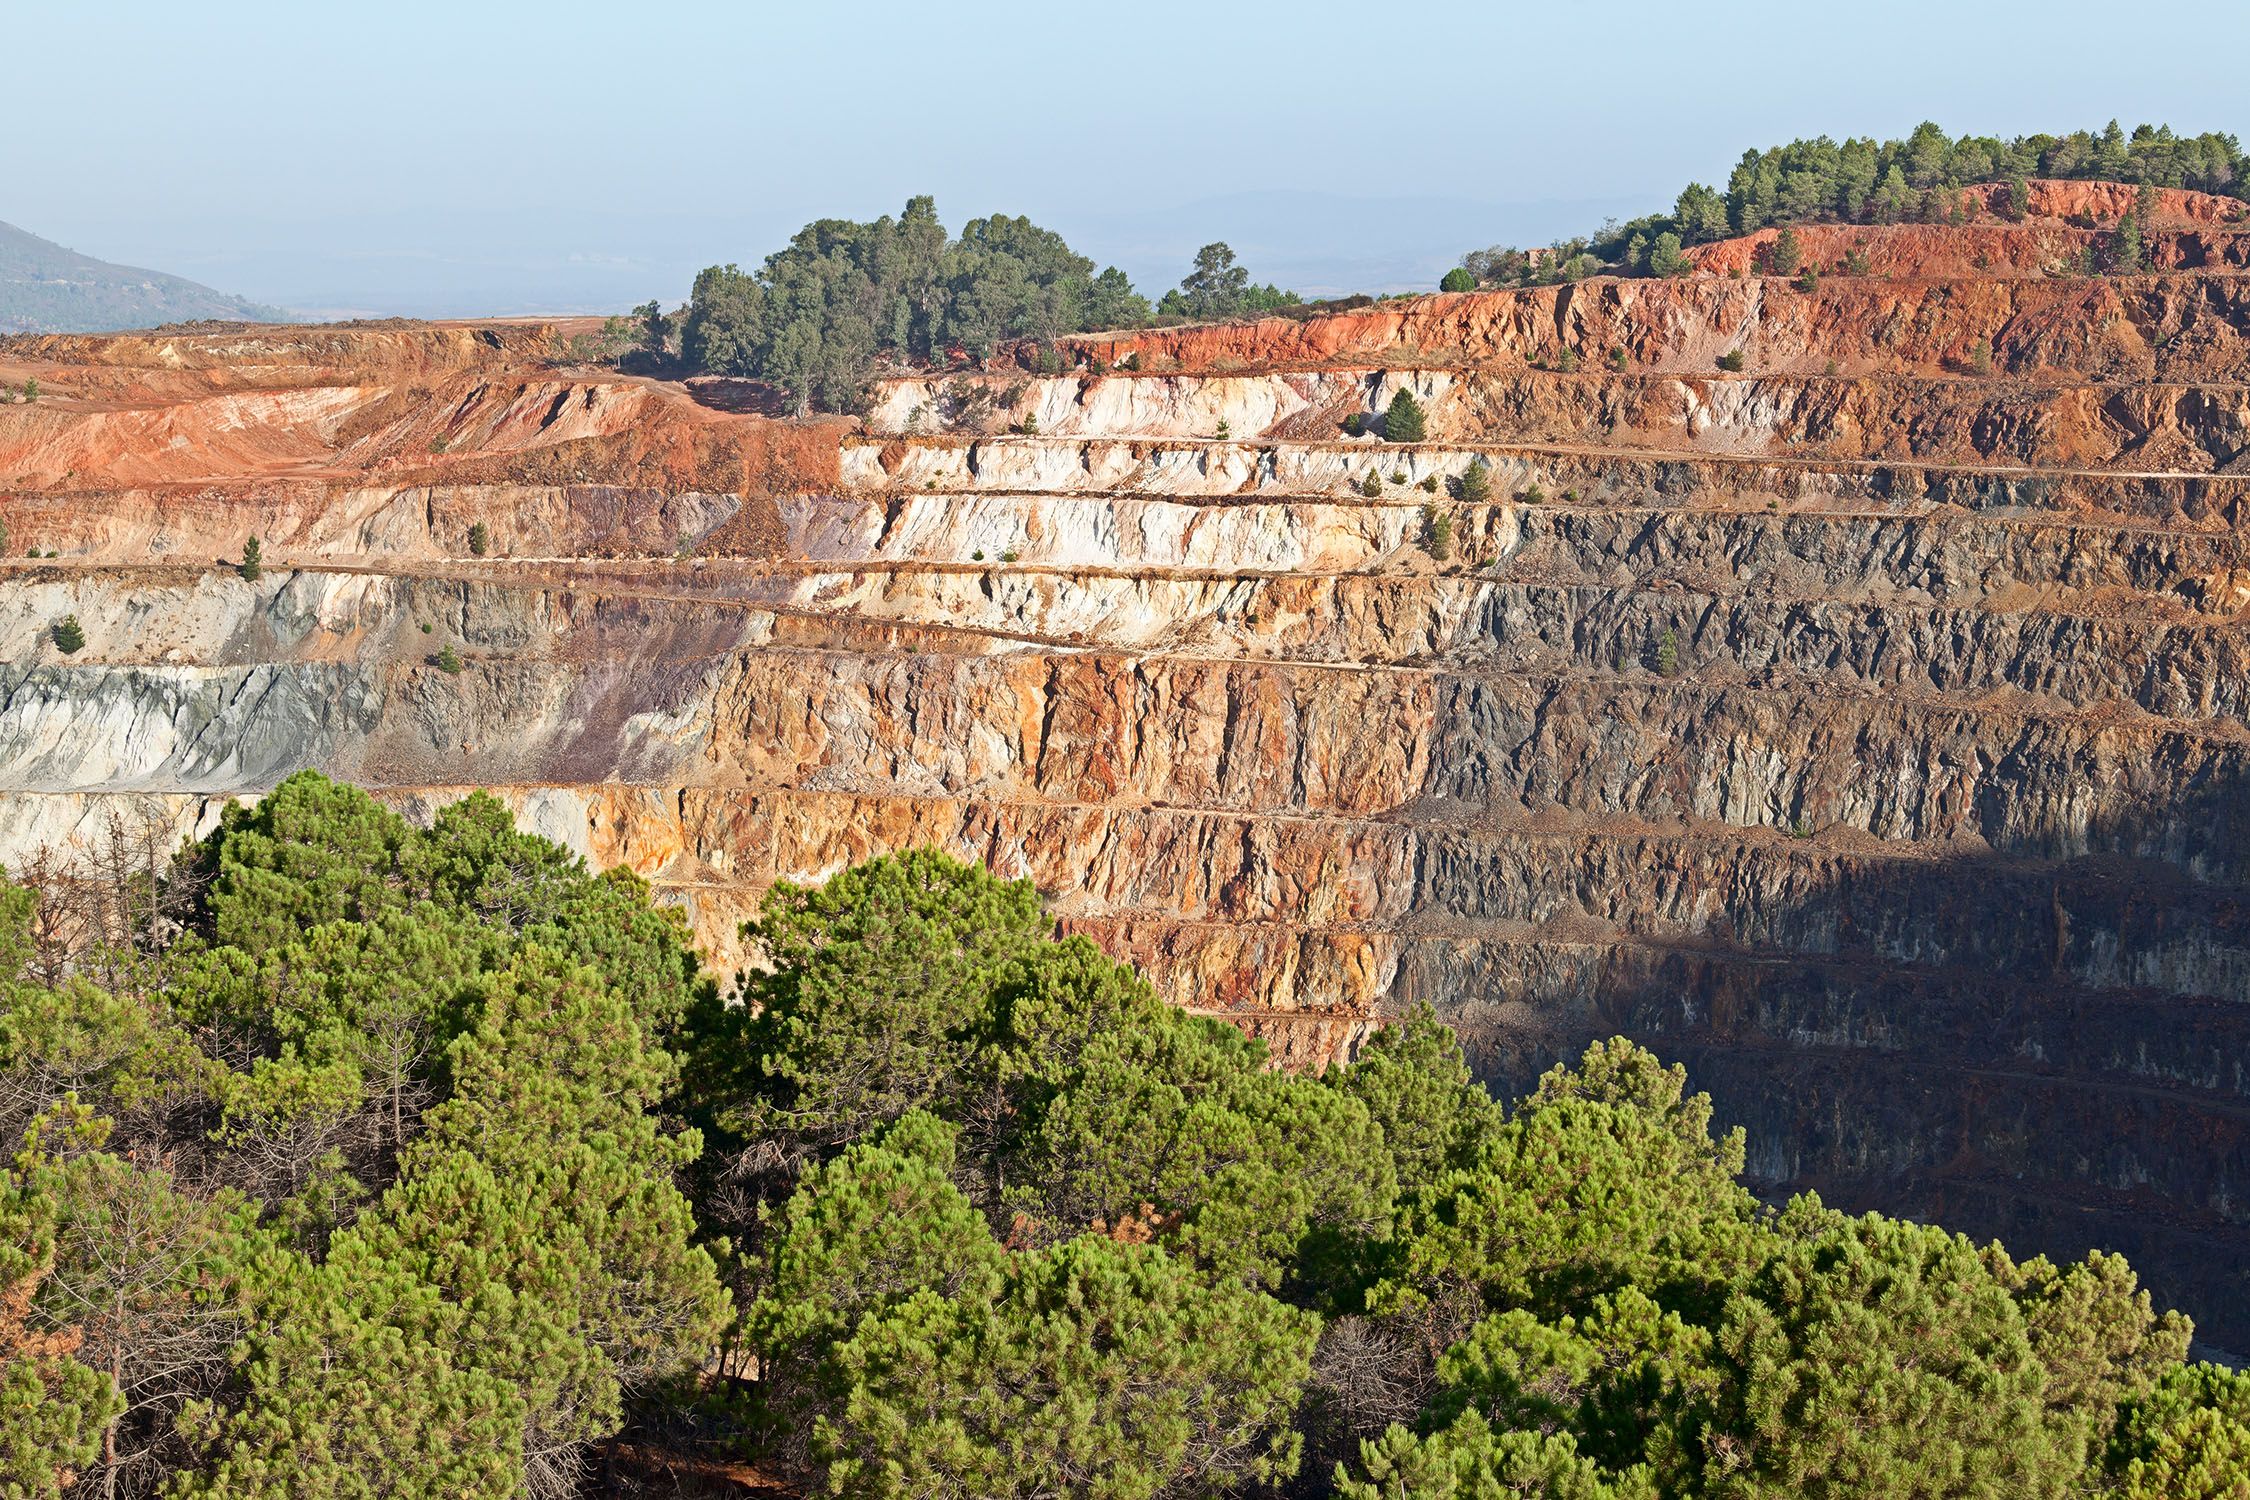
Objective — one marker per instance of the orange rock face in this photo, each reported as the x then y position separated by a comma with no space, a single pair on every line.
1864,726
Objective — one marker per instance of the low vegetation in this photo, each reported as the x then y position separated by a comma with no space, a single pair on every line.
348,1157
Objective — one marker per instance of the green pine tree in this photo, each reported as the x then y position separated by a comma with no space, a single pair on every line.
1785,255
53,1409
1404,420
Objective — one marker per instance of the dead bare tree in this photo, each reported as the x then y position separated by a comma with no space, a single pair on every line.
108,906
1368,1373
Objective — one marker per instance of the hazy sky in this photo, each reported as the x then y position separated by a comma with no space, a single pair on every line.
492,157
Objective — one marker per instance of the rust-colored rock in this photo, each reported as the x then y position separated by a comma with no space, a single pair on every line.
1865,726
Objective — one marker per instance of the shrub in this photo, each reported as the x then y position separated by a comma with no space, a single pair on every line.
68,635
1808,280
1008,556
1404,421
1458,280
1225,431
1855,260
1980,357
1372,485
1429,484
1567,361
448,659
1668,653
480,540
251,565
1398,477
1731,360
1355,424
1476,482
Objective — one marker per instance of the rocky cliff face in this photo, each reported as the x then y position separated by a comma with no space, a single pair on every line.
1865,728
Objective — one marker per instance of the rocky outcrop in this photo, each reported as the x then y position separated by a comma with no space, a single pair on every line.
1865,727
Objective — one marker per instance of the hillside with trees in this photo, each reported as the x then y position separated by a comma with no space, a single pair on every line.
1862,180
45,288
348,1157
843,301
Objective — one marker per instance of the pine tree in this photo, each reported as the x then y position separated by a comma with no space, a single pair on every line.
1095,1368
1476,482
1786,254
2131,246
250,567
480,540
1438,525
1930,1332
1404,421
69,635
1665,256
1458,280
53,1409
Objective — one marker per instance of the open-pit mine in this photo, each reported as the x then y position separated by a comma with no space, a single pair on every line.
1863,726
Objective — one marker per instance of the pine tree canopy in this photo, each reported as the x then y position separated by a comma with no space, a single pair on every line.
386,1160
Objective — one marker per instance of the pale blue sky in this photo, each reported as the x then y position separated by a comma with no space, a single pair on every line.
492,157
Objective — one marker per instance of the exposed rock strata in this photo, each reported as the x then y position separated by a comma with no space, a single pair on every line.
1866,728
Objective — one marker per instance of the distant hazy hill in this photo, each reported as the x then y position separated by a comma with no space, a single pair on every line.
47,289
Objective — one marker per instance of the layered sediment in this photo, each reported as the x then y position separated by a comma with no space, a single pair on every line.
1865,727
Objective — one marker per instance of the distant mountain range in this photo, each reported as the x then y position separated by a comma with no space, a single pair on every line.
45,288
